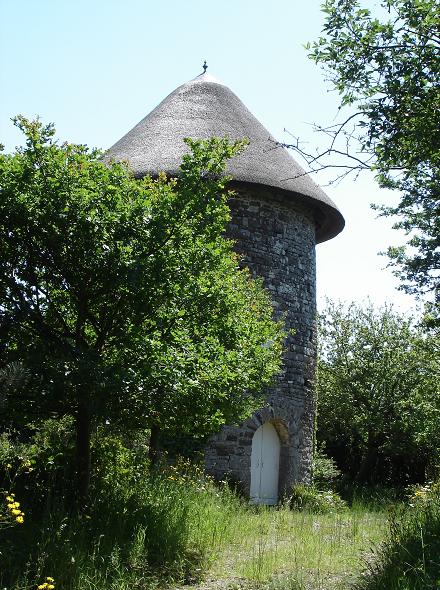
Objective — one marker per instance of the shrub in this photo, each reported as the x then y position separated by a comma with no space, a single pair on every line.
409,558
37,460
325,470
310,499
375,498
138,528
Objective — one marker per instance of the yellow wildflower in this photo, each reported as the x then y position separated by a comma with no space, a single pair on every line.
20,519
16,512
10,498
48,585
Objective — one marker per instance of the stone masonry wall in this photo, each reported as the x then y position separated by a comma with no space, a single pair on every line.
277,238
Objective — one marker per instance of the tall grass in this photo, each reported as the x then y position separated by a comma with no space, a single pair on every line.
409,559
175,526
281,548
143,530
166,527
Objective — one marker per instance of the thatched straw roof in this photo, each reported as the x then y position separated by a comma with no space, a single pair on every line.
203,108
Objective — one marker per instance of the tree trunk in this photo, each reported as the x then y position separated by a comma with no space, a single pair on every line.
366,473
153,448
83,431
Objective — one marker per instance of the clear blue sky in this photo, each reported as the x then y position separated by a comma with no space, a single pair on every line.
96,67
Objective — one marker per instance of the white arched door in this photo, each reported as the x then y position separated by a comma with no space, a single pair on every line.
265,462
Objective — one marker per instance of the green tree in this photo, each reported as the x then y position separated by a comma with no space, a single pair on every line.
385,65
121,297
378,394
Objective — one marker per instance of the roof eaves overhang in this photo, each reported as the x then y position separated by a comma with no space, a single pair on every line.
329,222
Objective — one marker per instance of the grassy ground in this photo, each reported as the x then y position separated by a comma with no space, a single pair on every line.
182,530
409,558
285,549
145,531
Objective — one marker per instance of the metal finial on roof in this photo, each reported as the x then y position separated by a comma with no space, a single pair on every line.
205,67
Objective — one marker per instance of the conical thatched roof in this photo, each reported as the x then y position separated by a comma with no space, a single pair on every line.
204,108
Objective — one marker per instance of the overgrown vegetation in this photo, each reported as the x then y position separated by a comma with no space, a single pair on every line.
299,549
378,391
306,497
121,297
379,396
139,530
172,525
409,558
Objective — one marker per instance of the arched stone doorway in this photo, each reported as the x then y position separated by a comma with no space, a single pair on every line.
265,464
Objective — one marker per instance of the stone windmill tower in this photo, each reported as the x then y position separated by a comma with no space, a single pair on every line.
278,216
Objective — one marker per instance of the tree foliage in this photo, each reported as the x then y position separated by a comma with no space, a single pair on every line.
121,297
378,394
385,65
